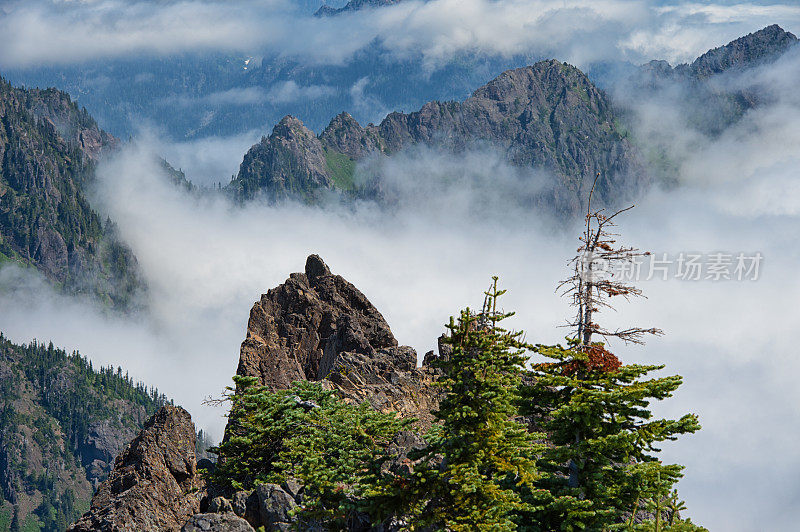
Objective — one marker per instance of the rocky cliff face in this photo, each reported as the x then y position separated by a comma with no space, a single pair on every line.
154,484
547,116
48,152
758,48
317,326
754,49
289,163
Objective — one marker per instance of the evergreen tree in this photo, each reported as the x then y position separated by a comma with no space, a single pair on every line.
602,436
333,448
480,456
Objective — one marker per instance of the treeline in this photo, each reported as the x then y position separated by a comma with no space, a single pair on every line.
74,392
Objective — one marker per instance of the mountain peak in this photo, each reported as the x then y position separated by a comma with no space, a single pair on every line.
316,267
758,47
353,5
548,116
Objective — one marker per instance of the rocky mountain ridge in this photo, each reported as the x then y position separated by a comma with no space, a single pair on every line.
754,49
705,91
49,149
353,5
547,116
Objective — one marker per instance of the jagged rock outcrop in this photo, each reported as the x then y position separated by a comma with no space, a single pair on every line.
154,484
291,162
317,326
706,91
753,49
345,135
546,116
299,327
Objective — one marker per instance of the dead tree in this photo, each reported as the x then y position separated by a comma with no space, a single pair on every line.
597,278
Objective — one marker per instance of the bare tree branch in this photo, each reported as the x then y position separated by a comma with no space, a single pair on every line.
589,289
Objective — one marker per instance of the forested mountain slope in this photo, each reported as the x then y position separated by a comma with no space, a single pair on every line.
62,423
49,149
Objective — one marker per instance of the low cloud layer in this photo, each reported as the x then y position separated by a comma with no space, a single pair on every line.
280,93
36,32
206,261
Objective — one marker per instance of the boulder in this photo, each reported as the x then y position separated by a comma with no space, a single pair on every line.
246,505
154,483
216,523
220,505
275,505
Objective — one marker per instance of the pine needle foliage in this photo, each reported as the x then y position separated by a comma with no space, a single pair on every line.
480,456
603,438
334,449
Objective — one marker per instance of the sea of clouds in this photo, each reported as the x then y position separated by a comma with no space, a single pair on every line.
457,221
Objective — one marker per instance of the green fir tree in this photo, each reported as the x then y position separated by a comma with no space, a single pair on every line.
481,455
334,449
602,437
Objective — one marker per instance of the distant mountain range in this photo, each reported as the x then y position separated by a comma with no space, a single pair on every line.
745,52
547,116
197,95
709,104
353,5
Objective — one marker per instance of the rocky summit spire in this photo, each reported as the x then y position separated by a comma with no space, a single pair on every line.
316,267
316,326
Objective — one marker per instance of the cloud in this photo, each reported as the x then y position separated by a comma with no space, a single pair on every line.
454,222
457,220
37,32
279,93
289,91
206,262
364,104
207,161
